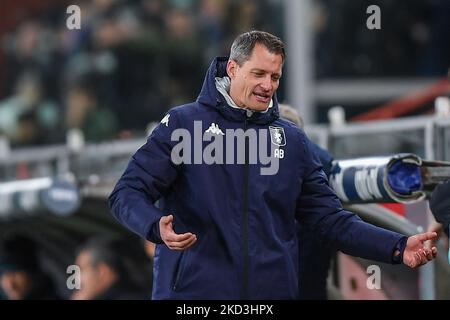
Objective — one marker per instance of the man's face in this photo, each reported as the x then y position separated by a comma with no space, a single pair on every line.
15,284
95,278
90,282
254,83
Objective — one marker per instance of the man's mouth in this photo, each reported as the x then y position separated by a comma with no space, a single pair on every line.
262,97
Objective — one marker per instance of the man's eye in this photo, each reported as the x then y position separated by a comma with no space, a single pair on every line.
258,74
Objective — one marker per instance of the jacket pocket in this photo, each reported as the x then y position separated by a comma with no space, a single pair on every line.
180,270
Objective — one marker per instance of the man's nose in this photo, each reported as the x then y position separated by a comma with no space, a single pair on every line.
266,85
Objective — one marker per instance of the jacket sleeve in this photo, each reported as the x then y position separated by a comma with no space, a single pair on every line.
320,209
147,178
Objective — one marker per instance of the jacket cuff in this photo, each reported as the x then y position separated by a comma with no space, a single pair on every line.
154,234
400,246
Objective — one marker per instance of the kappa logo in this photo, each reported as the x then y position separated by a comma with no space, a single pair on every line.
277,136
214,129
165,120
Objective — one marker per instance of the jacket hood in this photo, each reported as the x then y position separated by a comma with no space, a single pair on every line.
210,96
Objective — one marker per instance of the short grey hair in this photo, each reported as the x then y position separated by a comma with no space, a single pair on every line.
243,45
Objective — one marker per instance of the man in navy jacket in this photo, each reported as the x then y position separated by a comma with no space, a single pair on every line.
225,225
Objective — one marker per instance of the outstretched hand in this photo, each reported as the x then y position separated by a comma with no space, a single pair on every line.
416,253
173,240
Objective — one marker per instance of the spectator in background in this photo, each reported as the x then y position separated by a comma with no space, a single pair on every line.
291,114
31,45
21,276
109,268
151,13
30,131
314,255
182,48
84,113
29,99
211,18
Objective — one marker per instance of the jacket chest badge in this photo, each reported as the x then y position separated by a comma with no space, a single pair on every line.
278,139
277,136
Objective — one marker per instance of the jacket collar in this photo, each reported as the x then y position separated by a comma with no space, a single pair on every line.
210,96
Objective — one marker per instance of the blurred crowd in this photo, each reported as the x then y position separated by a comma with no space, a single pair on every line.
127,65
131,61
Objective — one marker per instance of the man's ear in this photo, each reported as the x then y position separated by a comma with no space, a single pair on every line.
232,68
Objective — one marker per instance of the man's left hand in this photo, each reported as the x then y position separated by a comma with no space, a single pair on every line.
416,254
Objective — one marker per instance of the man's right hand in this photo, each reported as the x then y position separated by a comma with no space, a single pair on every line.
171,239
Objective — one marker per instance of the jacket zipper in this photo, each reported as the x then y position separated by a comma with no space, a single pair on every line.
245,220
179,271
